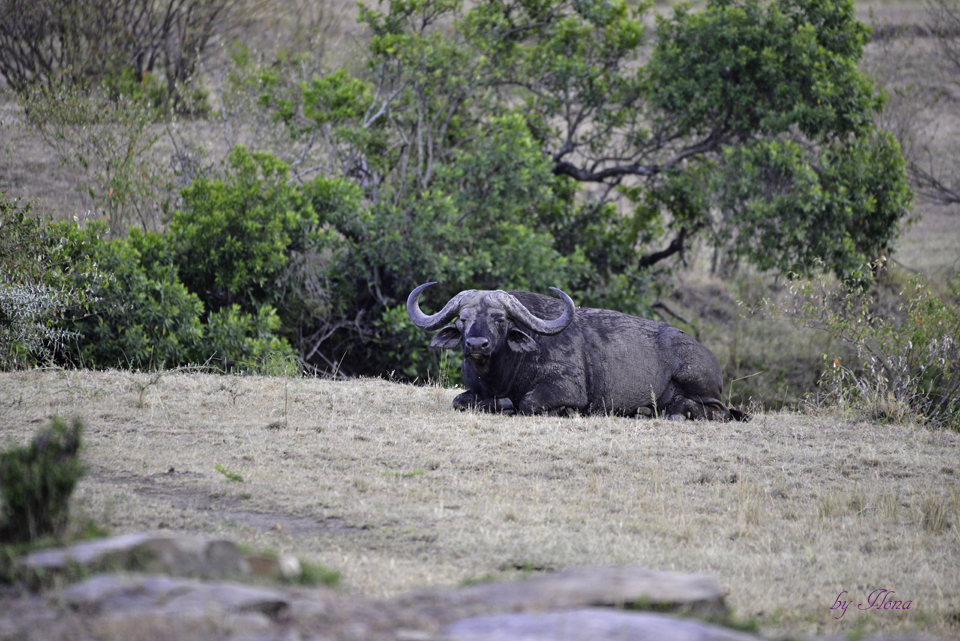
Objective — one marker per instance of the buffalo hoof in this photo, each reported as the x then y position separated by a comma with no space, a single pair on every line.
469,401
497,406
563,412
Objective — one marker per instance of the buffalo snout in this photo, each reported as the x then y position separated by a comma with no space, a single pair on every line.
477,344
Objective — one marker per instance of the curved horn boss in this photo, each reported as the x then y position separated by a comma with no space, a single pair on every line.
537,324
434,321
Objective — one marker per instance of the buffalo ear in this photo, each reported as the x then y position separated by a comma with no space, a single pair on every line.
446,338
521,342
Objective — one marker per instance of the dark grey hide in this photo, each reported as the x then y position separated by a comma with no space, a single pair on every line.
533,354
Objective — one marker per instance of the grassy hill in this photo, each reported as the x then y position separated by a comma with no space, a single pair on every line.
388,485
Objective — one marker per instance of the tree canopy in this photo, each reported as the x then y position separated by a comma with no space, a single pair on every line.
748,123
529,143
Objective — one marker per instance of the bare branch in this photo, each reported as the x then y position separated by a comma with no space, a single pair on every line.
712,143
675,247
308,170
583,175
931,187
660,305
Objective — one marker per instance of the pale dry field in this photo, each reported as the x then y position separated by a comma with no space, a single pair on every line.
390,486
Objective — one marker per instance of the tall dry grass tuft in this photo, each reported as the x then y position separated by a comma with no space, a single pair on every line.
830,505
934,515
748,502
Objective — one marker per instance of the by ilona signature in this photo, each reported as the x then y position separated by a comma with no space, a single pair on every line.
878,600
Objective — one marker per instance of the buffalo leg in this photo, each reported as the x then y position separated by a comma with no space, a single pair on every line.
549,400
469,400
710,409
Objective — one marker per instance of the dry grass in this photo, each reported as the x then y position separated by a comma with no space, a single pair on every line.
389,485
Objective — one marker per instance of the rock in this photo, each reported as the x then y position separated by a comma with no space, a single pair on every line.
112,606
192,624
589,624
117,607
134,606
118,593
577,588
106,592
185,556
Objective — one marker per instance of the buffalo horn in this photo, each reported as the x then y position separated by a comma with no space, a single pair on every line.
434,321
539,325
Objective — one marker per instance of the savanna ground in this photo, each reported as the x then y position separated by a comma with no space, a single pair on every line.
388,485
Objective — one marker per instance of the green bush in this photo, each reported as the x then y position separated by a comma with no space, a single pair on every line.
908,359
244,342
36,483
143,316
25,336
69,293
34,291
486,221
401,343
232,236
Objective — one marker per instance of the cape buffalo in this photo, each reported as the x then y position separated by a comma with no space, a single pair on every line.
534,354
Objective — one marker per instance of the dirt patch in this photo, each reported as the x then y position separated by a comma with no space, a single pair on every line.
219,507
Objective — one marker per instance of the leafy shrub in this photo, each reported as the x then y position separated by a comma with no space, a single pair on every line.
36,483
244,341
68,292
482,223
909,361
142,316
402,343
33,289
145,317
335,267
24,310
233,235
